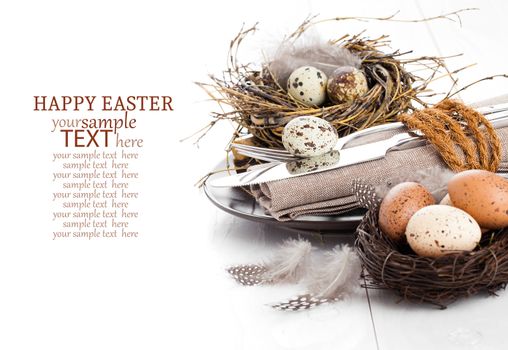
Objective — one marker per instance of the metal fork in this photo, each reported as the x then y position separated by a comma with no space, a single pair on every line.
371,151
280,155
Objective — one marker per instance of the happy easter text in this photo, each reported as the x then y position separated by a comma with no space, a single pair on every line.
99,131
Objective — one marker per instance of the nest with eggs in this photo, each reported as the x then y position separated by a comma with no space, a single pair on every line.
256,96
438,281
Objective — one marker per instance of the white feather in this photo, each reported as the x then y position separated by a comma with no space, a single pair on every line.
308,50
434,179
289,263
338,275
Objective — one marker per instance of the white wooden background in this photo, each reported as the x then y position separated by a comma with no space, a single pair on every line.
477,323
168,289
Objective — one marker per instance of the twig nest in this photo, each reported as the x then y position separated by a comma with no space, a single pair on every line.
436,230
258,97
309,137
307,85
346,84
438,280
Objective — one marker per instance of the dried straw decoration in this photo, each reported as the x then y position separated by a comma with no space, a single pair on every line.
250,95
438,281
442,126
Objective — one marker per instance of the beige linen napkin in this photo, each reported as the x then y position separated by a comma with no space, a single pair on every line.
331,192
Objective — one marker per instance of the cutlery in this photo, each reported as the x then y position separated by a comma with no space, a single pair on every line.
346,157
280,155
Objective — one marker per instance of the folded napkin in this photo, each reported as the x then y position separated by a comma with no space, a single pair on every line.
330,192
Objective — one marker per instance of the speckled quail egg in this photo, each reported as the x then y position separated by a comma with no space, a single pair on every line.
309,137
307,84
439,229
304,165
346,84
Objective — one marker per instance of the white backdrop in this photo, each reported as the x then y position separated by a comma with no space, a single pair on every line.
168,289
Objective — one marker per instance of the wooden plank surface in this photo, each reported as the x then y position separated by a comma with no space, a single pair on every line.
168,289
470,324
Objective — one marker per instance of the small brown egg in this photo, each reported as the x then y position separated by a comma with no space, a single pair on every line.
483,195
346,84
399,205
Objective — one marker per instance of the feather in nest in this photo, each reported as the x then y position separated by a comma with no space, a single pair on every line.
308,50
434,179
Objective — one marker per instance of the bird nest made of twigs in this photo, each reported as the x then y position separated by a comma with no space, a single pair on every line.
251,96
439,281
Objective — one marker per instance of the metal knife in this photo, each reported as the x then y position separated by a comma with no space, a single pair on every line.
344,158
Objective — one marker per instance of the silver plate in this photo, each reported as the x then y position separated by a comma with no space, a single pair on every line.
237,202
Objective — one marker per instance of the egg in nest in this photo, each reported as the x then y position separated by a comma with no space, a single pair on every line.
482,194
346,84
307,85
399,205
439,229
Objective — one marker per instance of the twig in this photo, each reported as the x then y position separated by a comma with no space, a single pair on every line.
492,77
453,16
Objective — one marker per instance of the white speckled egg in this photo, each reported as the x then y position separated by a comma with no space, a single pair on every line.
439,229
309,137
304,165
308,85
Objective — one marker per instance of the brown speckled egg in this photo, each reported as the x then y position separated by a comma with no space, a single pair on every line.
399,204
346,84
439,229
483,195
